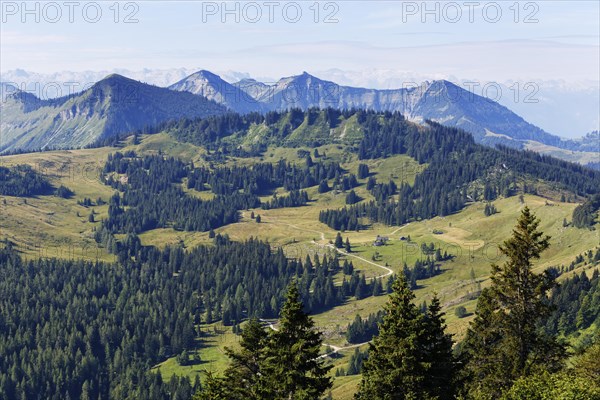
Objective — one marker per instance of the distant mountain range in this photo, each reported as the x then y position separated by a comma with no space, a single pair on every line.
118,105
564,108
440,101
112,106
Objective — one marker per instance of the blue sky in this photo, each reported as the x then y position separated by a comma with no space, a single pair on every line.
548,40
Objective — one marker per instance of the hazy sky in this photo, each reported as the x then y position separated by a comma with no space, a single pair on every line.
484,40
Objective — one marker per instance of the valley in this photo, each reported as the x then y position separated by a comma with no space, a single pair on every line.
49,226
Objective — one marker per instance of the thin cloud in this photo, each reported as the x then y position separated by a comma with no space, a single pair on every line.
11,38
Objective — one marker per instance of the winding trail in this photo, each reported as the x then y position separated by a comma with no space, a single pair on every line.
388,272
335,349
321,234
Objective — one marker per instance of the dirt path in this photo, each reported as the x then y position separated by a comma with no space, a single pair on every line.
335,349
321,234
388,271
338,349
402,227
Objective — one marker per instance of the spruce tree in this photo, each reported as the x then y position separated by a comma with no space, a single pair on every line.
241,376
213,389
291,368
339,242
503,342
323,186
363,171
440,376
395,367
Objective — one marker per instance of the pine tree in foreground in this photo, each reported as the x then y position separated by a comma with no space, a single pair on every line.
503,342
412,356
242,375
291,368
441,363
282,364
213,389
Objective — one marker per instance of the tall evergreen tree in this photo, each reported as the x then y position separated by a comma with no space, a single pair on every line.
242,375
481,344
442,365
395,368
504,341
292,368
339,242
213,389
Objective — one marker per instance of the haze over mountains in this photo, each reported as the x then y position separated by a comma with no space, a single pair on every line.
439,100
118,105
565,108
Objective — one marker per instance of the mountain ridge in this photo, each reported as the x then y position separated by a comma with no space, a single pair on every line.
111,106
213,87
440,100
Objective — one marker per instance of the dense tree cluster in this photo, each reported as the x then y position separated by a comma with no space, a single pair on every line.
152,198
447,183
585,215
295,198
74,329
439,144
423,269
262,177
358,286
227,132
576,304
382,191
342,219
22,181
362,330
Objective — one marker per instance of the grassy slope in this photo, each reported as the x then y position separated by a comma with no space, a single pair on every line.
211,349
21,127
469,235
48,225
581,157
